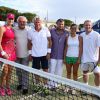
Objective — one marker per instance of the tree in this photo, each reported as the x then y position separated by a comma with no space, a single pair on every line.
68,22
81,26
5,10
29,16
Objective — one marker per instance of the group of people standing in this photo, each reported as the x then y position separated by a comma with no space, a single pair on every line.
40,44
13,46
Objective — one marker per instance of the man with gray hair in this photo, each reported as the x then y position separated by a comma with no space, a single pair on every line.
21,38
39,45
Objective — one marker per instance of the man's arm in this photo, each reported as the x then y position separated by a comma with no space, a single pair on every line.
98,42
49,47
80,48
29,46
3,53
99,57
66,47
49,42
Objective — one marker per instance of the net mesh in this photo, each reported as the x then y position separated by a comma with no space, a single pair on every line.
45,86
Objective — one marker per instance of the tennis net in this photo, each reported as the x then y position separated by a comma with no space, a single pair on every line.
46,86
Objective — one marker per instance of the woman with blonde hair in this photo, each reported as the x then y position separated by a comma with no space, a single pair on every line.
7,51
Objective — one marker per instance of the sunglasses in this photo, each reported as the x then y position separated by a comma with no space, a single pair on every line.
22,22
11,18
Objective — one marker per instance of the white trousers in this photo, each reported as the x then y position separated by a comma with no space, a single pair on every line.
56,67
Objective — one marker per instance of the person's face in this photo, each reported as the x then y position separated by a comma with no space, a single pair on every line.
60,25
10,21
21,23
73,29
38,23
88,26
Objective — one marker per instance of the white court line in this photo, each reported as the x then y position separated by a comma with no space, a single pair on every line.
27,97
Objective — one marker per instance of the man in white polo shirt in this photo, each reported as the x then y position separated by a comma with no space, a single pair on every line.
91,53
40,44
21,38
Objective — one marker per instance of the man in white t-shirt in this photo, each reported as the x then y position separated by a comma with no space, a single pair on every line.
21,33
40,45
91,53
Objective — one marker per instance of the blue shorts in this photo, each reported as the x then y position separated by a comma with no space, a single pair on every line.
40,62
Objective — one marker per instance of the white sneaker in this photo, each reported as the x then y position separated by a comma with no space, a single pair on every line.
47,86
73,92
66,89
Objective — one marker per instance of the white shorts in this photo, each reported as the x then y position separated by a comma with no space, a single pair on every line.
90,66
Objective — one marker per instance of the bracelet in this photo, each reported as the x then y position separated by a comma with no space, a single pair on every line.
3,53
29,52
49,50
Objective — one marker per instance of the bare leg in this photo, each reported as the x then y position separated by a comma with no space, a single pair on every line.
68,68
75,71
4,75
97,79
38,78
9,76
45,80
85,76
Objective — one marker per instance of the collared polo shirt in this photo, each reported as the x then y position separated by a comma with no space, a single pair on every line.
58,44
39,41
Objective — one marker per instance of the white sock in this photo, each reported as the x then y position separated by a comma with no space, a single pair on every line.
86,83
97,86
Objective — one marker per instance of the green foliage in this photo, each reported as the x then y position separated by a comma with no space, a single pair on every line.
68,22
81,26
5,10
29,16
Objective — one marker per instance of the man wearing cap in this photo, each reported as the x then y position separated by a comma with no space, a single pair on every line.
7,51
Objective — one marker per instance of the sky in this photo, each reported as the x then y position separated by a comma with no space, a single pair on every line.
76,10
